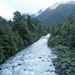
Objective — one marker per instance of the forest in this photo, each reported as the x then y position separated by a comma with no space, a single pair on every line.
19,33
63,40
56,15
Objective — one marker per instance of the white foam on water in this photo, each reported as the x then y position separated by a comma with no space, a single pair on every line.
33,60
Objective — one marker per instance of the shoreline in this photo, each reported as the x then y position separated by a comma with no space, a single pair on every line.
54,60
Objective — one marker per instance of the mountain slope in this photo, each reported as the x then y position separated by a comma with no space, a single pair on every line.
57,14
1,18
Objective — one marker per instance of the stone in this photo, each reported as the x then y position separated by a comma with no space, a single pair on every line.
0,68
19,64
39,57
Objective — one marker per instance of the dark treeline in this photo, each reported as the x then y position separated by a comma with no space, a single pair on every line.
63,39
18,34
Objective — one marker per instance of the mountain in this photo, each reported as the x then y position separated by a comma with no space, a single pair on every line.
57,12
36,14
33,15
70,2
1,18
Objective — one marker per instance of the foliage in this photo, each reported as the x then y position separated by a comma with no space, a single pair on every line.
64,42
18,34
56,15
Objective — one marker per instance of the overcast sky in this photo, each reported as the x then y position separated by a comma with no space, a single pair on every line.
7,7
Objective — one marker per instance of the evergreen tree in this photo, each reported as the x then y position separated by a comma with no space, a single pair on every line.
52,29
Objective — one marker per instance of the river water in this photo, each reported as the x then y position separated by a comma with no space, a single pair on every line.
36,59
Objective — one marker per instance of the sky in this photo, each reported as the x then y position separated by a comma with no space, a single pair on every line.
8,7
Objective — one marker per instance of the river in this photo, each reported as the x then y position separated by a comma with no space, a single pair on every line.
36,59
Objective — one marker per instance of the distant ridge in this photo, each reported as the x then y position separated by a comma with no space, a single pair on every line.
1,18
57,12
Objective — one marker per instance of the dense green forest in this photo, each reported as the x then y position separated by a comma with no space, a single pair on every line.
63,39
17,34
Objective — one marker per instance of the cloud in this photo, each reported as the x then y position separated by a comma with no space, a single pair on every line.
7,7
5,13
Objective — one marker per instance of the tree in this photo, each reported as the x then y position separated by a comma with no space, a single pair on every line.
31,26
70,17
52,29
17,16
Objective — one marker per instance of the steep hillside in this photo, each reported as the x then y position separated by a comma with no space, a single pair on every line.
57,14
1,18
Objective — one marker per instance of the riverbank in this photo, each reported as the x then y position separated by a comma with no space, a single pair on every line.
54,60
65,61
33,60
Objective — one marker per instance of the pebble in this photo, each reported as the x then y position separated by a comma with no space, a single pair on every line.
40,57
19,64
0,68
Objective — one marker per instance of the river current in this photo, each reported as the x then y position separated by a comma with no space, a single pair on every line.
36,59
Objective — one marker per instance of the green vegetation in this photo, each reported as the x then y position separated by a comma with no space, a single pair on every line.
18,34
56,15
63,39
